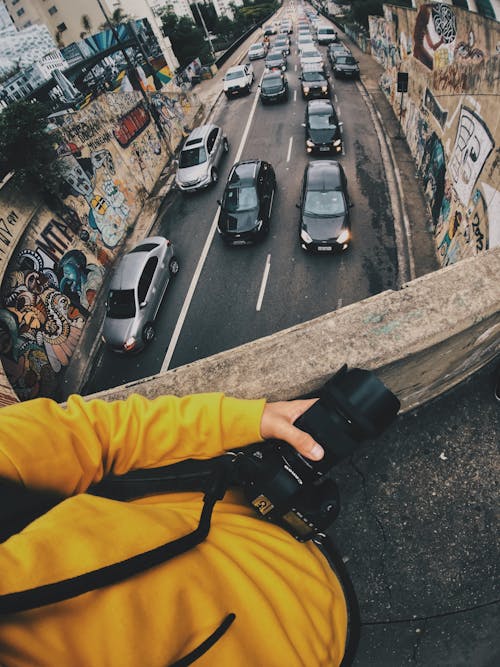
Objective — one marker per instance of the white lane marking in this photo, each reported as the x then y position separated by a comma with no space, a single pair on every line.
294,95
263,283
204,253
339,303
289,149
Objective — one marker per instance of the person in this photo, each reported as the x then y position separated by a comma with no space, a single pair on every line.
288,605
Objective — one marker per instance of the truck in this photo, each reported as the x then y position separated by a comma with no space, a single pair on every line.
238,80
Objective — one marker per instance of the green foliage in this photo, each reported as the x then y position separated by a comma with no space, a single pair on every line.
27,148
188,41
362,9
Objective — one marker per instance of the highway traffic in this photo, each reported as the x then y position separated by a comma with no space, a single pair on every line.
226,296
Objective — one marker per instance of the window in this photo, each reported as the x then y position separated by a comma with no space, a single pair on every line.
146,278
20,12
62,27
211,140
52,10
14,2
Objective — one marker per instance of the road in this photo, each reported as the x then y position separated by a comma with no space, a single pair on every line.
223,296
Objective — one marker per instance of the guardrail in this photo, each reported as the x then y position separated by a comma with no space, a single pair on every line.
421,340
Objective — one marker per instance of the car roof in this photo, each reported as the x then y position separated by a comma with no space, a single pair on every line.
198,134
244,172
130,266
324,175
313,67
319,106
273,74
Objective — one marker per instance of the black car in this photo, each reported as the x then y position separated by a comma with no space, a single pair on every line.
314,82
324,224
275,60
323,129
247,202
337,49
273,87
345,65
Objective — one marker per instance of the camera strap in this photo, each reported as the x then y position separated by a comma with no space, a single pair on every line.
217,479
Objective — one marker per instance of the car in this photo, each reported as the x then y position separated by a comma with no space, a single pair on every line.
282,43
273,87
238,80
197,167
311,56
303,41
245,209
314,82
275,60
269,30
136,291
257,51
323,130
337,48
324,222
345,65
325,34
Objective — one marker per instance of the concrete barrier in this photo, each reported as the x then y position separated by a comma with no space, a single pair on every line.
421,340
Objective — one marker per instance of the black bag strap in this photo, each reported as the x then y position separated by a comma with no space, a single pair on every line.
110,574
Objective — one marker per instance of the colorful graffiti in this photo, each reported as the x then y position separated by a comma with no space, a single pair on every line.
44,306
449,117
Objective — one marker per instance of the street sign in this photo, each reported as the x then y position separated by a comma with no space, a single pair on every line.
402,82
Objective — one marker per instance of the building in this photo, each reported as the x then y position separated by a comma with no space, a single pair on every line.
26,46
177,7
69,22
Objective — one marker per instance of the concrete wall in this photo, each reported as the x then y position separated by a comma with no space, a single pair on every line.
421,340
449,116
52,264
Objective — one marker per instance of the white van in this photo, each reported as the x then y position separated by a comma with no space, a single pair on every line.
326,34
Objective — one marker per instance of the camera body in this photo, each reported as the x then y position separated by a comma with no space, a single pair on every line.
296,493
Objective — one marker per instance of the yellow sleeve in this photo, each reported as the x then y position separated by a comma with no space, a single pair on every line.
65,449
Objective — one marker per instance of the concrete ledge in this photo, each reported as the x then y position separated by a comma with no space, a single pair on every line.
422,340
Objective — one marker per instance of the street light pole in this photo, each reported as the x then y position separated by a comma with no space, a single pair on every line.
131,69
212,52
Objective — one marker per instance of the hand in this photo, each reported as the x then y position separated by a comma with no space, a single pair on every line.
277,422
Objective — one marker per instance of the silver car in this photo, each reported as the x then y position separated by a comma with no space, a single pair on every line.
200,156
136,292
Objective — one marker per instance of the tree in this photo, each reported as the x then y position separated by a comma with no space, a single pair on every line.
28,149
188,41
362,9
86,25
117,18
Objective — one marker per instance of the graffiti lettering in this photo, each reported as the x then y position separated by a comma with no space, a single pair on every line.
5,232
431,103
478,234
99,141
52,244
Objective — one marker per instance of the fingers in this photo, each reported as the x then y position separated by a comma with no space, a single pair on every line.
277,422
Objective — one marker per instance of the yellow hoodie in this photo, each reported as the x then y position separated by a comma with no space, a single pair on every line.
289,606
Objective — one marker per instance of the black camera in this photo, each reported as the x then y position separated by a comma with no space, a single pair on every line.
297,493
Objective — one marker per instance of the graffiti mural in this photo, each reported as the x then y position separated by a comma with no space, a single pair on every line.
44,306
449,116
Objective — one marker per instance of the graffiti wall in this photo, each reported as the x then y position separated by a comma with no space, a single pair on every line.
449,115
52,263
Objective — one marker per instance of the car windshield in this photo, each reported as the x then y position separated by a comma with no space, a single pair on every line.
234,75
121,304
324,203
312,76
239,199
310,54
192,157
321,121
271,83
345,60
275,57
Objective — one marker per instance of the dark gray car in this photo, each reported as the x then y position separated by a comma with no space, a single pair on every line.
136,292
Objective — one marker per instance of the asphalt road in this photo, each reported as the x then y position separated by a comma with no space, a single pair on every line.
224,297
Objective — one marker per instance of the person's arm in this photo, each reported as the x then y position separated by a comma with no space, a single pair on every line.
65,449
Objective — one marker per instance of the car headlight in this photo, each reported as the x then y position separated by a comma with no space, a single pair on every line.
310,143
305,236
306,89
324,89
337,142
129,344
344,236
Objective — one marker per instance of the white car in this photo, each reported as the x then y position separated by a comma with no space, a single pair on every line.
311,57
238,80
256,51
